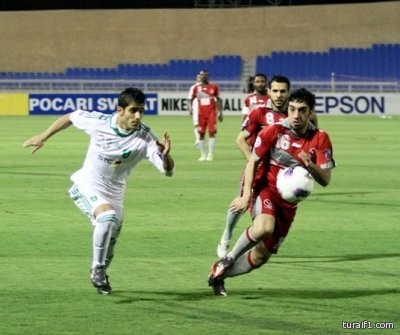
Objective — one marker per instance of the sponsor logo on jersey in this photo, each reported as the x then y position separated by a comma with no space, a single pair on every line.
267,203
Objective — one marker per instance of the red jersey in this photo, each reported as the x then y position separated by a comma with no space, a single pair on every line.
277,147
206,95
260,117
252,101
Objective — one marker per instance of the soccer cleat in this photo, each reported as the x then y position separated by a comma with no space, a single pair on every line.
105,289
210,157
222,248
99,279
218,286
98,276
202,158
221,267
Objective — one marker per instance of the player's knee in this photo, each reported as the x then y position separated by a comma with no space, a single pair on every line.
108,219
263,226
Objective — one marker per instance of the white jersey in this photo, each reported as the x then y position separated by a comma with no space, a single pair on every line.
112,153
195,105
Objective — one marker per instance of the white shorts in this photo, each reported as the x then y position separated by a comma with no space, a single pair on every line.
87,201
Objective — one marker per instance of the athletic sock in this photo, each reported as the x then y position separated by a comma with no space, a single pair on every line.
113,241
202,147
231,221
245,242
102,235
110,252
211,145
242,265
196,134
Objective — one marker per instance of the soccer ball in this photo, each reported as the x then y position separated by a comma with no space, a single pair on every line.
294,184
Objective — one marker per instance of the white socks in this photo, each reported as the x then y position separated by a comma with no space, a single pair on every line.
101,236
231,221
211,145
244,243
202,146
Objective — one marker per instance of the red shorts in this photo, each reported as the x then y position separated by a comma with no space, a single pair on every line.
207,120
268,202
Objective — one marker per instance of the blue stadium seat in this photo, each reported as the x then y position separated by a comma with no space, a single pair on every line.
377,62
380,61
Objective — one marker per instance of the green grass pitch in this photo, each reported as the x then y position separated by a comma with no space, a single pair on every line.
339,263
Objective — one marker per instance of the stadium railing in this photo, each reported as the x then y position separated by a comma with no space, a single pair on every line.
81,85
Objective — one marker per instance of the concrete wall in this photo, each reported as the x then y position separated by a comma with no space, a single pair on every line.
53,40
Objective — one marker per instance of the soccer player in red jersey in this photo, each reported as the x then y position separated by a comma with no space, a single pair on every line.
258,97
273,110
209,105
294,141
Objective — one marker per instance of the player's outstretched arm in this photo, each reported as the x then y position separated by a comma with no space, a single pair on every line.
38,141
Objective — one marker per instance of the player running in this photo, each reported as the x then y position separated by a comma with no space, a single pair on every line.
118,142
273,110
294,141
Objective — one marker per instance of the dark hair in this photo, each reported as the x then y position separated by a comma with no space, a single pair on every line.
302,94
130,95
278,78
260,75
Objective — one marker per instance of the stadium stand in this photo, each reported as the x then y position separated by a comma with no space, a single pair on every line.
364,66
379,62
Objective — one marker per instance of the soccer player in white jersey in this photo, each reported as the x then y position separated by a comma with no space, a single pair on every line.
118,142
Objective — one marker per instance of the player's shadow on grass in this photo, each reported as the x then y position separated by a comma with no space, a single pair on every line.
131,297
349,199
332,259
314,293
40,174
127,297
